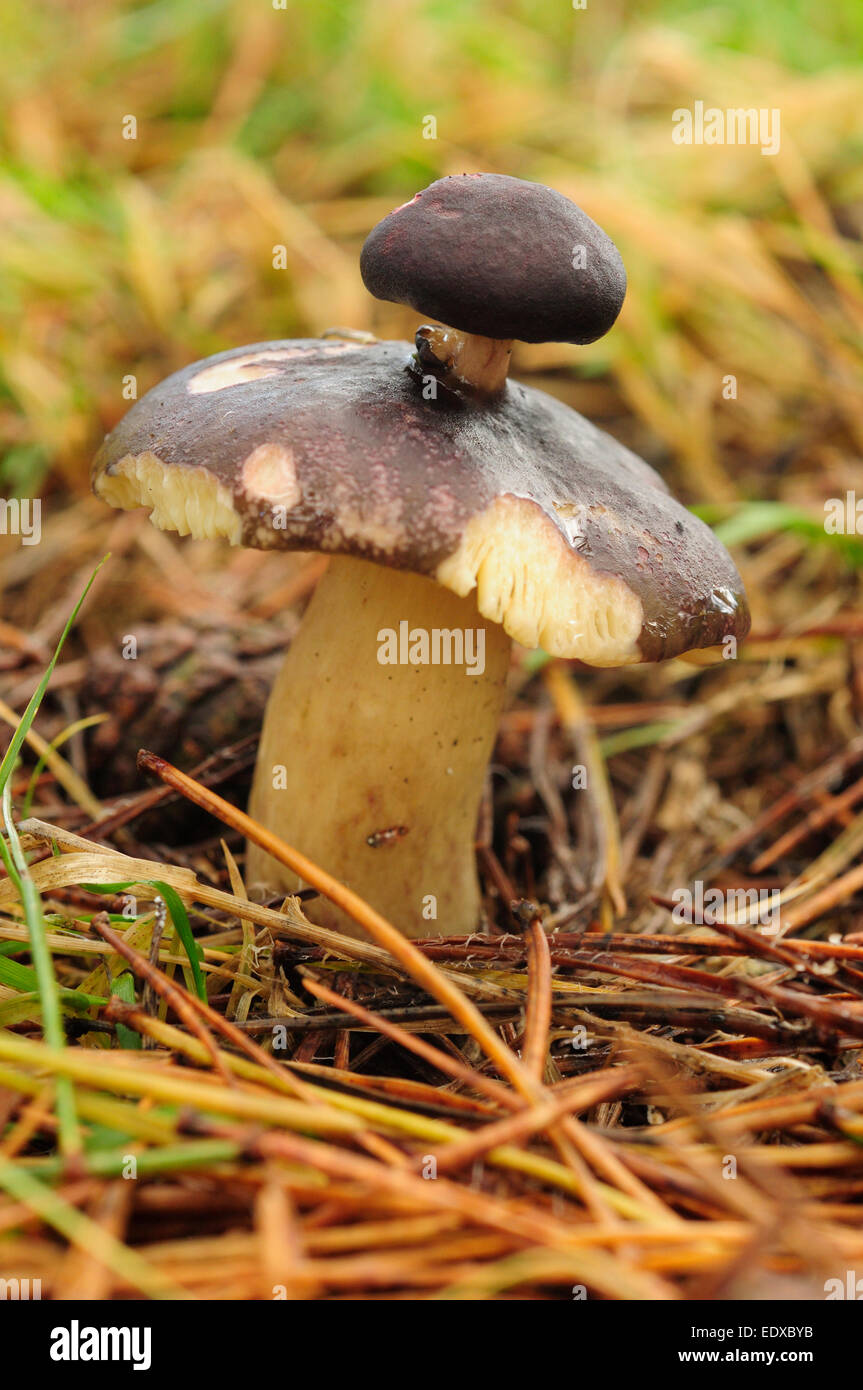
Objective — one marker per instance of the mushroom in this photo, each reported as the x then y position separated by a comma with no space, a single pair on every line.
496,258
457,519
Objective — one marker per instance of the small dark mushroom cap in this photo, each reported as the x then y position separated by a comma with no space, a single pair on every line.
500,257
571,542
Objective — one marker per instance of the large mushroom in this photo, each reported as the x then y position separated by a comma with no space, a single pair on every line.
460,510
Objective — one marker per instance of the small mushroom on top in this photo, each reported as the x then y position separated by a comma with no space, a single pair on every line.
495,258
457,519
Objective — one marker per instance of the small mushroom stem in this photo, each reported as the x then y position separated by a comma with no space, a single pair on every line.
481,364
374,768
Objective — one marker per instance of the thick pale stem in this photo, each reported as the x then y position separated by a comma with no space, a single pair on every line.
480,364
374,768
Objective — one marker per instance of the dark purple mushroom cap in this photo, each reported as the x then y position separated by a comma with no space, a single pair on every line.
500,257
571,542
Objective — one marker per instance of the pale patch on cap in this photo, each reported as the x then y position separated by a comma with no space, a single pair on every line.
269,474
256,366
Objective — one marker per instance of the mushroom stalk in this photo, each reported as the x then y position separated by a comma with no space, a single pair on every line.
375,744
465,359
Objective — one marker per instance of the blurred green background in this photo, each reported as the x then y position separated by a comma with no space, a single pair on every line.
301,126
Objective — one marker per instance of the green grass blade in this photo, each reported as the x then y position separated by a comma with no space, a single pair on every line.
179,917
52,1014
11,754
124,988
754,520
16,867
